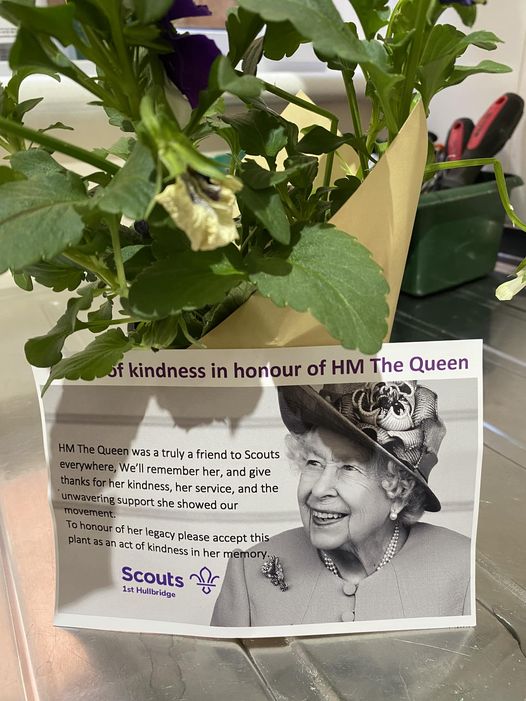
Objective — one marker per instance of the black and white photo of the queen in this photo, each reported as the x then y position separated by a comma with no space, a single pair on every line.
364,455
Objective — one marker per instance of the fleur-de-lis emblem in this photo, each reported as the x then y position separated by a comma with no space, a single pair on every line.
205,579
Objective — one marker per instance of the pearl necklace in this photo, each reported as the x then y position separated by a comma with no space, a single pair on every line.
387,557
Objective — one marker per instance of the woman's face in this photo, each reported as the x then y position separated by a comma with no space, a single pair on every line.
342,504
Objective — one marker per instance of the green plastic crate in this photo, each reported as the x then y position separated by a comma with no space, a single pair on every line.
456,236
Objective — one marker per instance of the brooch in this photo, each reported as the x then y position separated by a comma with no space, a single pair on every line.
273,570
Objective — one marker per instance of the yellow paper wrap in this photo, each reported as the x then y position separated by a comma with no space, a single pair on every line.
380,215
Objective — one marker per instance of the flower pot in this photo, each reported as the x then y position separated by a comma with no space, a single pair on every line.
456,236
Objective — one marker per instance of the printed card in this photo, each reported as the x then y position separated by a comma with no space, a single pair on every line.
276,492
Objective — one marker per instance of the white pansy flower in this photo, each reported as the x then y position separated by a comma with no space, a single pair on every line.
203,208
509,289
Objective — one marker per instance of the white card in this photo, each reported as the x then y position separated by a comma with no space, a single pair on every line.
184,463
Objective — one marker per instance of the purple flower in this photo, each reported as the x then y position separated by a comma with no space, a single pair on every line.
189,64
186,8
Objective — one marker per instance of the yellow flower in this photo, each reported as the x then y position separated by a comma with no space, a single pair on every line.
203,208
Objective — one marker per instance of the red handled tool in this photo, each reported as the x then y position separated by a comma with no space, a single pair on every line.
457,139
488,137
453,149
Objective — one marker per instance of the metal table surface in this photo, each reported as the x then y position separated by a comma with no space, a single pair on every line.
39,661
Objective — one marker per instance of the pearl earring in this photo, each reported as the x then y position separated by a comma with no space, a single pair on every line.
393,515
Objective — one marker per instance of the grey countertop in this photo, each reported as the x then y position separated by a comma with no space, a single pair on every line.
41,662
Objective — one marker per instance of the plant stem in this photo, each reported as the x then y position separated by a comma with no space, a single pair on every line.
305,104
84,262
499,177
114,322
288,201
113,225
310,107
356,119
125,61
100,50
6,145
89,84
52,143
394,14
248,238
415,52
186,333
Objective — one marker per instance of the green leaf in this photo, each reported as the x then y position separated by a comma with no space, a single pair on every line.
149,36
483,40
235,298
151,10
26,106
103,313
28,54
230,136
136,259
373,15
8,175
168,240
281,39
13,86
24,281
99,178
187,155
468,13
460,73
96,360
190,281
89,14
133,188
302,171
56,125
160,334
45,351
267,207
175,149
252,57
258,178
57,22
318,140
242,28
57,275
316,20
27,3
385,81
333,277
117,119
260,133
445,45
122,148
224,78
110,9
299,170
344,188
39,219
100,319
438,60
35,163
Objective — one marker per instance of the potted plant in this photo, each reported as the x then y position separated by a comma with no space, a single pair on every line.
160,243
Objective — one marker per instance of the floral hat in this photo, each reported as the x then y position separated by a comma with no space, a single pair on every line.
398,419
